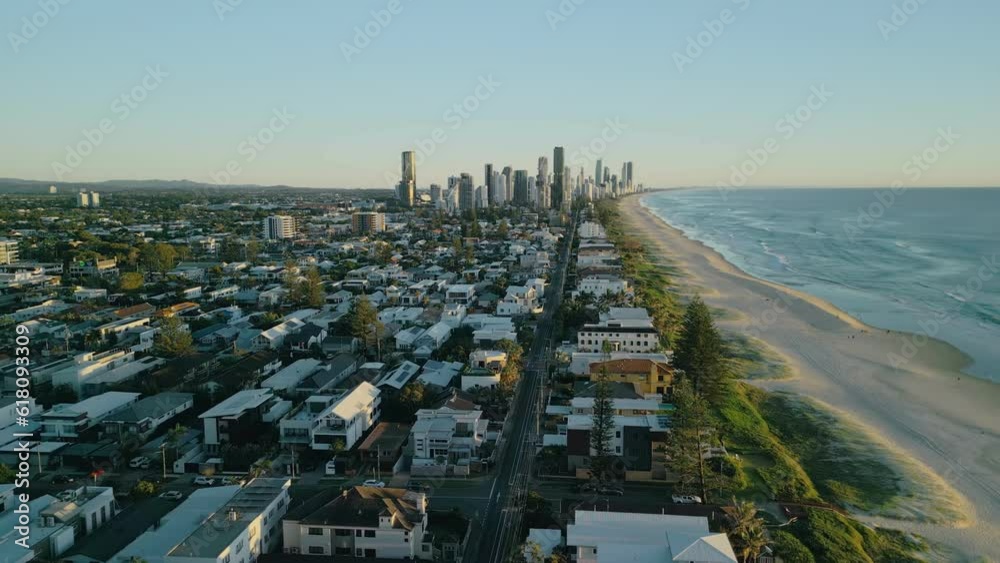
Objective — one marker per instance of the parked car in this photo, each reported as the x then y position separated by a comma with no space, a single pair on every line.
63,479
67,495
611,490
172,495
587,487
374,483
234,481
138,462
686,499
203,481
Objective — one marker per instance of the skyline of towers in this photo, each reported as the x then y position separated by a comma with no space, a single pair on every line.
556,190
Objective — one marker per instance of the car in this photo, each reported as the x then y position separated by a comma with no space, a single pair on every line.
611,490
418,487
686,499
67,495
145,464
233,481
138,462
63,479
203,481
587,487
172,495
374,483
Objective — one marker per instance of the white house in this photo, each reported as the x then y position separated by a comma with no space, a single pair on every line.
624,336
462,294
325,420
55,525
602,285
364,522
446,440
605,537
274,337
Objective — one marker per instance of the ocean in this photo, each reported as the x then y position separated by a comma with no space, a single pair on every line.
926,261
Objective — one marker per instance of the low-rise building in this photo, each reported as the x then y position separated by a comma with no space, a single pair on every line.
606,537
238,419
333,422
363,522
56,525
68,422
143,417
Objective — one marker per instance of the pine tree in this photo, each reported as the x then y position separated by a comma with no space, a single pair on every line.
699,353
602,427
364,322
691,434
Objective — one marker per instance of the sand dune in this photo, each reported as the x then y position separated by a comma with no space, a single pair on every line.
929,414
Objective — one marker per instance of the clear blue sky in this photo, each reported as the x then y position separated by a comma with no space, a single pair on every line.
609,59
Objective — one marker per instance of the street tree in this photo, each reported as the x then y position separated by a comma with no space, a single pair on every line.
173,339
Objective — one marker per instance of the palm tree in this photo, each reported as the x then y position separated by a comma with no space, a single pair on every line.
259,468
746,530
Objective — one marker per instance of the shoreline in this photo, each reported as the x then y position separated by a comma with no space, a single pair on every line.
930,413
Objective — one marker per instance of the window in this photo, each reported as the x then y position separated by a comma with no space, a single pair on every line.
239,546
316,550
359,552
342,551
370,553
342,532
315,531
357,534
369,533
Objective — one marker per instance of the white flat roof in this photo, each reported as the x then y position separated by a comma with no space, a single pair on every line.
238,403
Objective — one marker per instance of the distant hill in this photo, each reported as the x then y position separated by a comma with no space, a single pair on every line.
18,185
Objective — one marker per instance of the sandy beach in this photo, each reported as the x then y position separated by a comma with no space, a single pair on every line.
931,416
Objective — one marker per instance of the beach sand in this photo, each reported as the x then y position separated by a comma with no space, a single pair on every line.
929,414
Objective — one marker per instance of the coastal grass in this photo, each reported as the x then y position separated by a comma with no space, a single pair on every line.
751,359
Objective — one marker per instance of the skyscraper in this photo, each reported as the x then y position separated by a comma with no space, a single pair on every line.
435,193
542,182
598,171
628,174
508,187
406,191
490,188
520,187
567,195
466,193
558,178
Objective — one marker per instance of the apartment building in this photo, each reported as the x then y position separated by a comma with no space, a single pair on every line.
363,522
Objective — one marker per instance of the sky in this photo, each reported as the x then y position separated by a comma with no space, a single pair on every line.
328,93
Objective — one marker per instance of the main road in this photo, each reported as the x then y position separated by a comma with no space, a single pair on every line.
496,533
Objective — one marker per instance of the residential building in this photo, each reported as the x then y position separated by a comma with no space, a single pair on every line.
446,440
333,422
279,227
54,525
624,336
367,222
460,294
105,267
8,251
239,419
648,376
363,522
243,529
610,537
602,285
67,422
143,417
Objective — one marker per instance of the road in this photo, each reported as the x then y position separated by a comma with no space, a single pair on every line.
495,533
